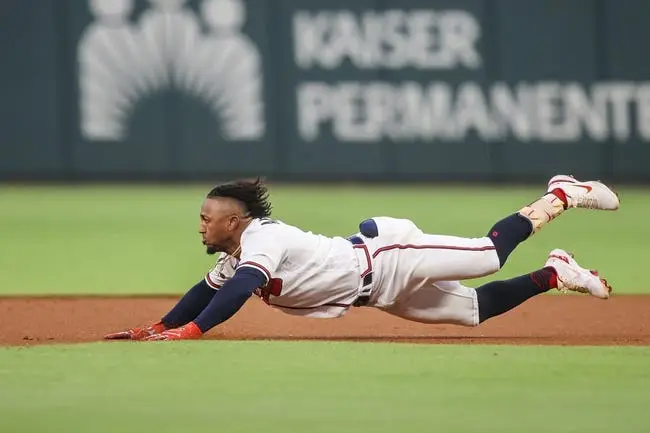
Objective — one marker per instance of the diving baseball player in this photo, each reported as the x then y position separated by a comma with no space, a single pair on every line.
390,264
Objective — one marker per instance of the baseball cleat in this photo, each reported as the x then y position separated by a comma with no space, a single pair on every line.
571,276
590,195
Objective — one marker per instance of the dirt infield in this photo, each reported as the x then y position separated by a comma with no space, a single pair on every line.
562,320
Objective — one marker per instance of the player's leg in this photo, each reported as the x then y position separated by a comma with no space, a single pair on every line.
565,192
442,302
560,271
451,302
562,192
497,297
442,258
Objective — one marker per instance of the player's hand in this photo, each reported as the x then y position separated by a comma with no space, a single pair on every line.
187,332
137,333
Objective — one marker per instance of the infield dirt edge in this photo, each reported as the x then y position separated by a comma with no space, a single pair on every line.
545,320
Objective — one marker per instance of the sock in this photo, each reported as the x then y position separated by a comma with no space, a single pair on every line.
497,297
190,305
546,208
508,233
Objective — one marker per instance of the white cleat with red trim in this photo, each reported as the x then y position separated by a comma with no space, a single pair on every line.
590,195
571,276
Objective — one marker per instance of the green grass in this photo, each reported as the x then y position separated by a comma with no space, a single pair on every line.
118,240
322,387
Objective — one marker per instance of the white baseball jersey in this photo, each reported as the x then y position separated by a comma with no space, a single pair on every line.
413,275
307,274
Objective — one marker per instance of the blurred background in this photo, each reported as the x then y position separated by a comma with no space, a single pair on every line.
325,90
117,115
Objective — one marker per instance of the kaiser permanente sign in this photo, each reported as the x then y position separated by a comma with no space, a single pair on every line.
442,41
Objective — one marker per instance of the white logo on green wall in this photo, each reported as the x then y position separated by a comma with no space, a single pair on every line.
451,106
120,62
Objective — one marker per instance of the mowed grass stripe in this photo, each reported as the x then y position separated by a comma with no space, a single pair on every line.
133,240
322,387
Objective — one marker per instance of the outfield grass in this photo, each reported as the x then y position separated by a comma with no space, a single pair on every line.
322,387
119,240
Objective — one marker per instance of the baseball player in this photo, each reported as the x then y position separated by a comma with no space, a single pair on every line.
389,264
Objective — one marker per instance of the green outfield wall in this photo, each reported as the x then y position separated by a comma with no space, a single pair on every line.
503,90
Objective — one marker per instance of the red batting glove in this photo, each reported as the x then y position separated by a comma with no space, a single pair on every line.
137,333
187,332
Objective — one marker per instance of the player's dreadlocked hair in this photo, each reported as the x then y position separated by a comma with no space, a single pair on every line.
253,194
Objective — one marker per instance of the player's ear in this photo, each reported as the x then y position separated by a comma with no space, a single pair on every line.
233,222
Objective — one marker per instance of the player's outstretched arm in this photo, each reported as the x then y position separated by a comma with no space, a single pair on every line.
224,304
185,310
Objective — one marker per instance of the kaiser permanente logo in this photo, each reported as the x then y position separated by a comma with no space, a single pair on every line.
449,101
203,55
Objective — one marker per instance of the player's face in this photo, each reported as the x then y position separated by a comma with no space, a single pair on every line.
219,221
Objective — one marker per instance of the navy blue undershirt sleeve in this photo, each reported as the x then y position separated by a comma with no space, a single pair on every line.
190,305
230,298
